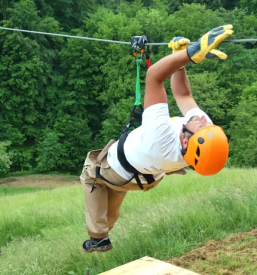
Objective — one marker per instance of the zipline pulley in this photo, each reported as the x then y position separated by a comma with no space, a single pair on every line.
138,44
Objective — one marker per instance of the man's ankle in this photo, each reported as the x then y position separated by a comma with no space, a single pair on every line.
98,239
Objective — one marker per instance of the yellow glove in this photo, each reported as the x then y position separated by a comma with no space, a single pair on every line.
204,47
178,44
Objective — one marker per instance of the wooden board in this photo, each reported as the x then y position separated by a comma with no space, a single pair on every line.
148,266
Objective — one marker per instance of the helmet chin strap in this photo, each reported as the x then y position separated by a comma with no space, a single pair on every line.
183,151
184,129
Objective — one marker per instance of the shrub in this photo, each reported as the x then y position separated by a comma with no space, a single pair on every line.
5,158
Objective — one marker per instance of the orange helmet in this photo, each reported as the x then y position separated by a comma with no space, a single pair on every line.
207,150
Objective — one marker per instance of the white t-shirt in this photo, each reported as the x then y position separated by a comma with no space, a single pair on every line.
154,147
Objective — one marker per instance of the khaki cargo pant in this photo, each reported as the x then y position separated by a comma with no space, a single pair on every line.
103,204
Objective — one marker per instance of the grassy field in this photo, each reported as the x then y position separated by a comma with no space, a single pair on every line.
4,191
42,232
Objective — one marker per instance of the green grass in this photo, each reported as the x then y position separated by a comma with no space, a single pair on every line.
4,191
42,232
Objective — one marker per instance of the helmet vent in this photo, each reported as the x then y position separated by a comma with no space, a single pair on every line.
196,161
200,140
198,151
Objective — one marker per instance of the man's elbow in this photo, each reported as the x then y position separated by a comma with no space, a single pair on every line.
152,76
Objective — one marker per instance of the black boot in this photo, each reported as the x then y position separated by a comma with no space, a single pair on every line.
98,245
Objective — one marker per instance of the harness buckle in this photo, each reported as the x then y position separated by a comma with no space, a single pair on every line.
126,128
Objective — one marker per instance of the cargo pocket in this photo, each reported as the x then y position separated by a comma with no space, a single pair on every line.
89,169
88,172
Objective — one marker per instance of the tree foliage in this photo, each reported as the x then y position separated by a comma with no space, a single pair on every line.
5,158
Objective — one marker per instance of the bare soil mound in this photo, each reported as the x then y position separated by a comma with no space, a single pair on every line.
234,255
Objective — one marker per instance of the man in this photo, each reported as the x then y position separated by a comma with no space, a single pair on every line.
159,146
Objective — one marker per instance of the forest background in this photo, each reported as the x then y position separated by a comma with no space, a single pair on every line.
61,97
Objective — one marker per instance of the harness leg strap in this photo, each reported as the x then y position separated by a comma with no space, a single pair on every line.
97,173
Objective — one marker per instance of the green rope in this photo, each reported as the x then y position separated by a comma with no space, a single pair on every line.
138,94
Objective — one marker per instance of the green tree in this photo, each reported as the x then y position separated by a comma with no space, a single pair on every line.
249,5
117,115
243,139
29,79
23,158
50,152
174,5
5,158
70,14
188,22
80,68
76,139
210,97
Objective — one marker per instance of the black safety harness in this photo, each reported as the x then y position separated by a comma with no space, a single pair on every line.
123,160
138,45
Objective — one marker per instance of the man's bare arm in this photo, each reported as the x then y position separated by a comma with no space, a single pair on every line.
182,92
158,73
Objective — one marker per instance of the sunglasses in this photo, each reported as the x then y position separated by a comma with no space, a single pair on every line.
186,130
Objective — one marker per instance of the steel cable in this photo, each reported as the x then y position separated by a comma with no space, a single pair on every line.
118,42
